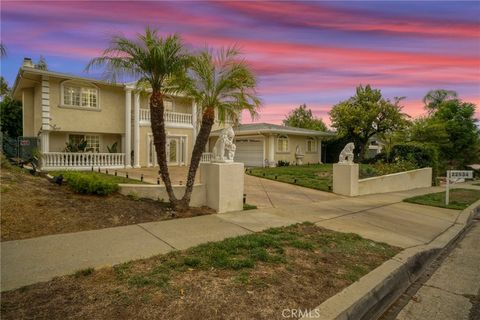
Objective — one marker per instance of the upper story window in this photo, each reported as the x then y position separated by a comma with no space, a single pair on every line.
282,144
311,145
168,105
79,95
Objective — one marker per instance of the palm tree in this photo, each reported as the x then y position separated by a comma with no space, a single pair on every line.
221,83
154,62
434,98
3,50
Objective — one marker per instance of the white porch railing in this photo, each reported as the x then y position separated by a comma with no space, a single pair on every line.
74,160
171,117
206,157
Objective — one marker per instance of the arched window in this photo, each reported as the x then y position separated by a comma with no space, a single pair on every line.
79,94
282,144
311,145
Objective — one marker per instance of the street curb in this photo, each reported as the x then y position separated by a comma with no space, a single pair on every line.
369,297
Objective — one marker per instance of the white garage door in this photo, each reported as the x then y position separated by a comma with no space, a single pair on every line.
249,151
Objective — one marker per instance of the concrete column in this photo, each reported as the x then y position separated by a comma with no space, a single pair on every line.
271,151
128,127
136,131
224,185
194,121
45,141
319,148
345,179
46,103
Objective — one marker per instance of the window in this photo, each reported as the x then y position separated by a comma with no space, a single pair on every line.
282,144
93,141
75,95
311,145
168,105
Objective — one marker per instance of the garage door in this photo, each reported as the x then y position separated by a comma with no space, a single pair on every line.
249,151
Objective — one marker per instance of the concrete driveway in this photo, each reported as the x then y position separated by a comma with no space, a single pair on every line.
266,193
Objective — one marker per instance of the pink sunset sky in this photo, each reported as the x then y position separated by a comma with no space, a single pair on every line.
303,52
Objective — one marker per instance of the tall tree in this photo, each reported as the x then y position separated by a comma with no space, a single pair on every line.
11,117
3,50
154,61
221,83
434,98
302,117
459,120
365,115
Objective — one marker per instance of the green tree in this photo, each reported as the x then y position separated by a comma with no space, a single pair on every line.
434,98
11,117
154,61
3,50
458,119
41,64
219,82
302,117
4,89
365,115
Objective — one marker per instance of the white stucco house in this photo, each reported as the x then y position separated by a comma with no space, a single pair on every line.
264,144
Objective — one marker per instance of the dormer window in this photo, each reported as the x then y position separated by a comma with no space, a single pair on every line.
79,95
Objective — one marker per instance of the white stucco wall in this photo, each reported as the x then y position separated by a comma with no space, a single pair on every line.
400,181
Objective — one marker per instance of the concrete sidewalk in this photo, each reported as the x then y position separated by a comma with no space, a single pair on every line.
380,217
449,293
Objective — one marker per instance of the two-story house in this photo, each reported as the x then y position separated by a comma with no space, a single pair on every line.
61,108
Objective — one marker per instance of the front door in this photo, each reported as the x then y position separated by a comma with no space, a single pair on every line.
173,151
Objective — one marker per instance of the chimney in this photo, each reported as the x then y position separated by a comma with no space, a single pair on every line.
27,62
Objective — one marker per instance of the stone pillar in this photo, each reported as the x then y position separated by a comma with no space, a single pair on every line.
224,185
46,103
136,130
194,121
345,179
271,151
45,141
319,148
128,127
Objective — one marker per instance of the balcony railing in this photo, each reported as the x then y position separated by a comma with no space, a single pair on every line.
206,157
74,160
170,117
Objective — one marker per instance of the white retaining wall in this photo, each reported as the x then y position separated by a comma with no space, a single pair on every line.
221,188
346,182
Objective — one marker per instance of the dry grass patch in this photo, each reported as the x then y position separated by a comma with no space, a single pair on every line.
33,206
253,276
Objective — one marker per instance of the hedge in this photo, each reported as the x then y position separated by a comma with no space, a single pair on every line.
86,183
421,154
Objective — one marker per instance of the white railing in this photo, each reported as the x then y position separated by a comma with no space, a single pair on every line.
171,117
77,160
206,157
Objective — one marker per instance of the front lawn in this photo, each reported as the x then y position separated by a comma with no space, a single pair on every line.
459,199
254,276
33,206
315,176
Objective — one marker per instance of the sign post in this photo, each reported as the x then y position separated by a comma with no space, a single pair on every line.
454,176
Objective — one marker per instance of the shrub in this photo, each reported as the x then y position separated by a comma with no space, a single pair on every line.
421,154
86,183
282,163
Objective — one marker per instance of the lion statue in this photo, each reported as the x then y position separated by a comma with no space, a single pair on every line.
224,149
346,156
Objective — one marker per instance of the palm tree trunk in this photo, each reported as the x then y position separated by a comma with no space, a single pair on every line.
208,119
160,142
